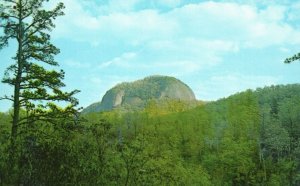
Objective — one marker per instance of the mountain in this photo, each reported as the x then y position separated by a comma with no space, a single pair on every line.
135,95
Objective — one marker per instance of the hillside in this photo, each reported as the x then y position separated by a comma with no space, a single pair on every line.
249,138
135,95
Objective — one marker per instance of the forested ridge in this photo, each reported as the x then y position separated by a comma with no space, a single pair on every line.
250,138
133,96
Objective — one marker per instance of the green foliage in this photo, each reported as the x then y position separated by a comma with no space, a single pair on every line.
293,58
251,138
136,96
239,140
37,87
5,121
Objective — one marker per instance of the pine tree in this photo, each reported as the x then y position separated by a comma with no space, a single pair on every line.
293,58
37,86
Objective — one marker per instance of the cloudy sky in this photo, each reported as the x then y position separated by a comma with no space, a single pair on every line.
216,47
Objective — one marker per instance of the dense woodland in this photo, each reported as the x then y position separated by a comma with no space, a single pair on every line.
250,138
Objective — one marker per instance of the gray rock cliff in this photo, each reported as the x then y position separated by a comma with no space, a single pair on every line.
135,95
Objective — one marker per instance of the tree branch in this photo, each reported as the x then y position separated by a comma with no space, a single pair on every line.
37,21
11,1
6,98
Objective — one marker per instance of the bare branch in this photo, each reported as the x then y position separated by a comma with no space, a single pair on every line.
6,98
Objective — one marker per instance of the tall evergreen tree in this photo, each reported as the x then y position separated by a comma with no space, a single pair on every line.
37,86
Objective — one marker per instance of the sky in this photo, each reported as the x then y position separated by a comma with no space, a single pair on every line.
218,48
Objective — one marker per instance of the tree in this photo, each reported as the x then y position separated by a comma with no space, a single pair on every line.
37,87
293,58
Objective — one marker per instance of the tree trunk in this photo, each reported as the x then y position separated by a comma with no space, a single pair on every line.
16,103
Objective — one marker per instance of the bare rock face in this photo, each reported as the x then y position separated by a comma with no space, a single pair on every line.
119,98
135,95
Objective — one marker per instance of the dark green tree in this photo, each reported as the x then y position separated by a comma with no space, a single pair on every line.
293,58
37,85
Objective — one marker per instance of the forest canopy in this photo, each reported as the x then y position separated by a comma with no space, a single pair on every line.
250,138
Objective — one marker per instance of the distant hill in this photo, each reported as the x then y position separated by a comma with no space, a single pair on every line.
135,95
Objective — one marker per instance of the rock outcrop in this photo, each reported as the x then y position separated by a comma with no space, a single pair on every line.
135,95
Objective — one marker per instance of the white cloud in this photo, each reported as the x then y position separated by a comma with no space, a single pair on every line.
243,24
273,13
181,56
76,64
122,61
294,13
184,40
193,45
121,5
76,21
95,80
176,68
169,3
173,38
228,84
284,50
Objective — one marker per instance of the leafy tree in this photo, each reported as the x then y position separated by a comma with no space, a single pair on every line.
37,87
289,116
276,140
5,120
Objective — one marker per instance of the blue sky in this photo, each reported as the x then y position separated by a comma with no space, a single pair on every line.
216,47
